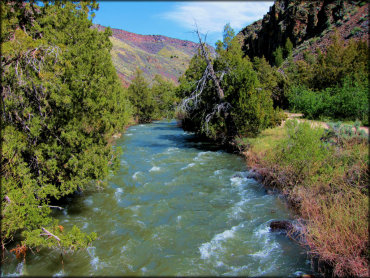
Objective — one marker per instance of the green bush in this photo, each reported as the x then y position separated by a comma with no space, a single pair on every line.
334,84
303,151
312,104
350,101
347,102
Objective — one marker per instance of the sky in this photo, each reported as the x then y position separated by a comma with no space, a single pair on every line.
178,19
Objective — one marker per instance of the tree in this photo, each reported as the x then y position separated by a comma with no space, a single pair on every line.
278,56
288,48
272,81
61,103
332,84
222,97
165,100
228,36
141,98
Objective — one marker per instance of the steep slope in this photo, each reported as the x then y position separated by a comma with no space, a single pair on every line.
153,54
308,25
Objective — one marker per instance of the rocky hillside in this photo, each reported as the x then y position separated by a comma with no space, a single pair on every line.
308,25
153,54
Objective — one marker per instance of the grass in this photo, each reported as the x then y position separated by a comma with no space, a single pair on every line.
325,177
268,139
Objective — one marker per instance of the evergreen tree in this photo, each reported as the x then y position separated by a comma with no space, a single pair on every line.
141,98
278,56
62,102
288,48
165,100
272,81
246,108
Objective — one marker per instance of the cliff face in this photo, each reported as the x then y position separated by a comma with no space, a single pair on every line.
301,21
153,54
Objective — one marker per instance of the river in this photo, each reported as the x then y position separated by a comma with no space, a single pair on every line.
176,206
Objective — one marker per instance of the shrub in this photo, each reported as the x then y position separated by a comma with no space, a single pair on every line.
302,151
312,104
332,85
355,30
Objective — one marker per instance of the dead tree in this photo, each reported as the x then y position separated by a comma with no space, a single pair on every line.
212,74
209,74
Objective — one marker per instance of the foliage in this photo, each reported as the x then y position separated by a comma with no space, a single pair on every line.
278,56
332,85
250,106
156,102
228,36
272,81
165,100
302,150
141,99
330,69
347,102
288,48
355,30
62,102
281,53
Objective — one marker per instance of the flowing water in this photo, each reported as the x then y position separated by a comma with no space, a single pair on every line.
175,207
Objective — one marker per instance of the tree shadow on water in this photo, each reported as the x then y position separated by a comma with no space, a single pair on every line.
191,141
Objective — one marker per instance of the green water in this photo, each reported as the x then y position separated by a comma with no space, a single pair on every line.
175,207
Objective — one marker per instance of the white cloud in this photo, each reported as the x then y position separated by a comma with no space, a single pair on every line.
211,17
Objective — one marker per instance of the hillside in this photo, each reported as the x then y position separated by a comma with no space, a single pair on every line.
308,25
153,54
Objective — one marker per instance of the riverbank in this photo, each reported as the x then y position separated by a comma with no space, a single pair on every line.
324,175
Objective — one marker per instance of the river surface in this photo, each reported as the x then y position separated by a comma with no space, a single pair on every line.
175,207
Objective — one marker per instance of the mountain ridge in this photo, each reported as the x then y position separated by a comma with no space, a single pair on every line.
153,54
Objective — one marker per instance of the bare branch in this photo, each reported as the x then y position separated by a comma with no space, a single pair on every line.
217,109
193,100
59,208
205,54
47,233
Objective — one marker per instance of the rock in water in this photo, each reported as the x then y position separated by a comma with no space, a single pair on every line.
281,225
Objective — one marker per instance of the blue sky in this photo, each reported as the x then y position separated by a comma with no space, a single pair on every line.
176,19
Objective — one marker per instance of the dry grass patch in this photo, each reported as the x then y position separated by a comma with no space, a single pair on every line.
325,176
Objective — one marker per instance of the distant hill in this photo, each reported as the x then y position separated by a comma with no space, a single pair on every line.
308,25
153,54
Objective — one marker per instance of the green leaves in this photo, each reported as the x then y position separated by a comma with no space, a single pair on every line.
62,103
247,108
334,84
151,103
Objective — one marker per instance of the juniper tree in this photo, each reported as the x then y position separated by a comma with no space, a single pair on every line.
61,103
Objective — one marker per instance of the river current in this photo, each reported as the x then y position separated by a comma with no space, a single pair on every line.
176,206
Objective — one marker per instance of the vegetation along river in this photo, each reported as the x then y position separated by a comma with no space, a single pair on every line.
175,207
